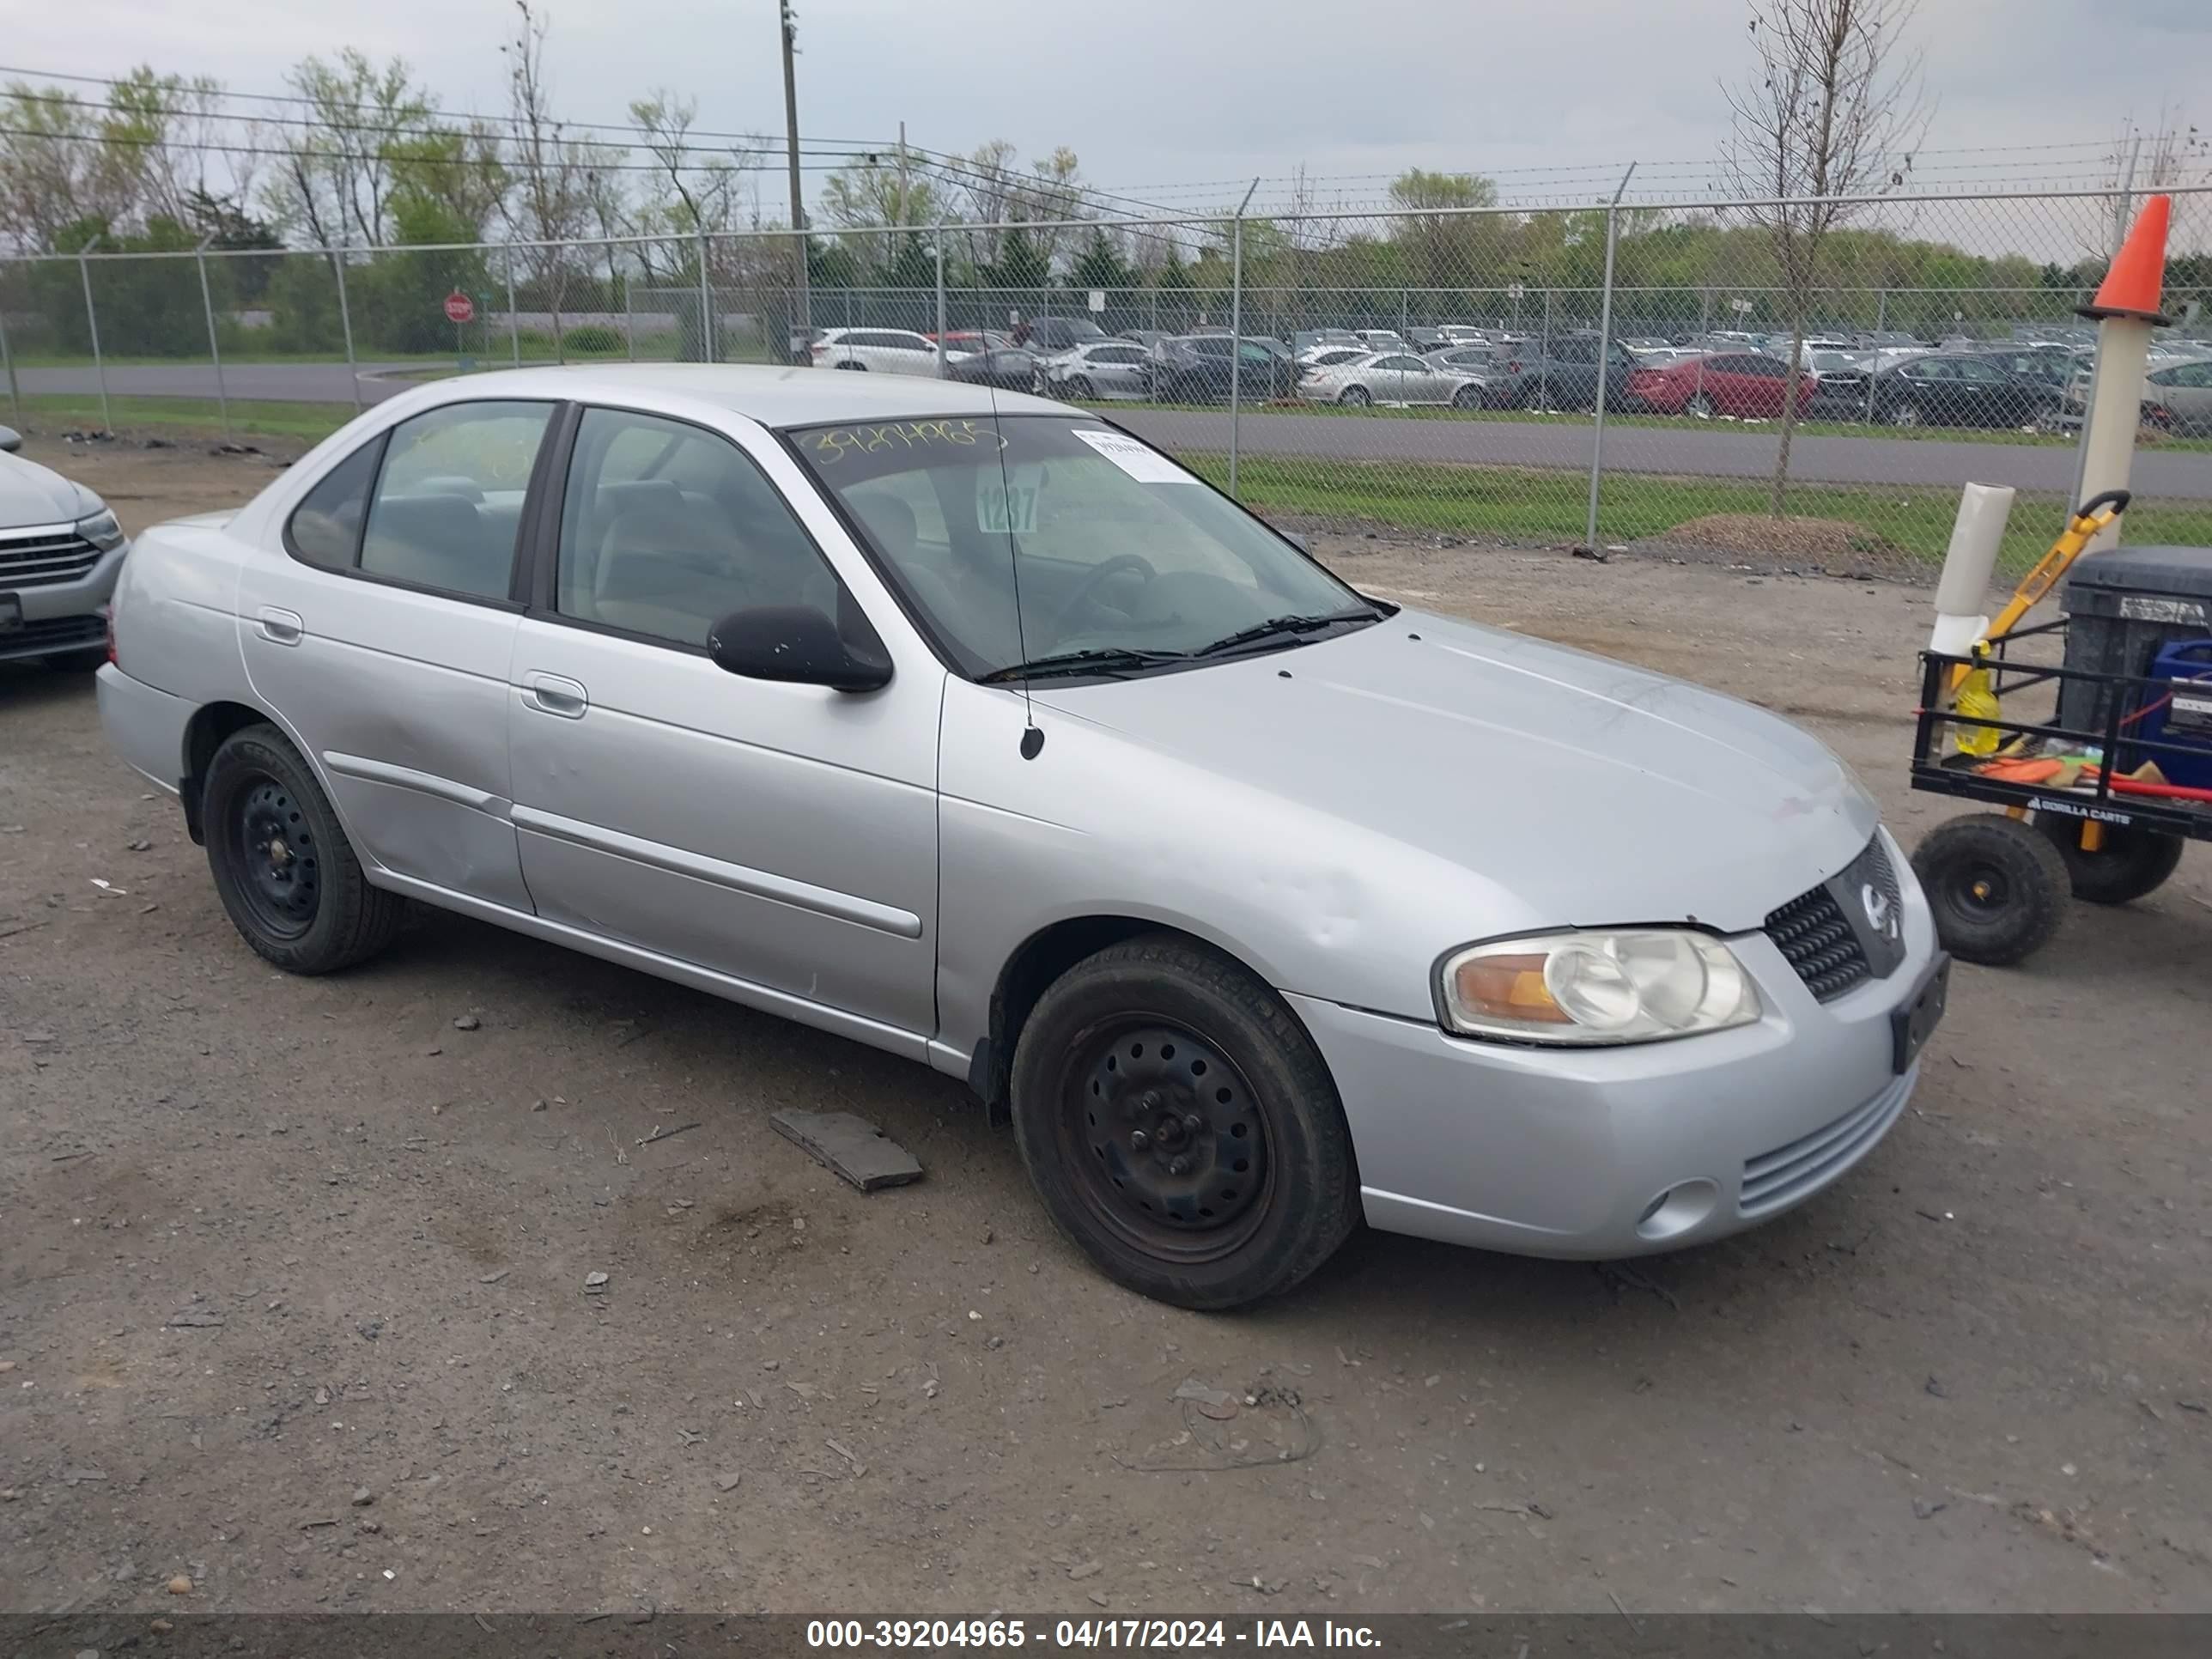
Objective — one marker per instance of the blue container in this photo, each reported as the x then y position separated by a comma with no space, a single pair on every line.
2180,711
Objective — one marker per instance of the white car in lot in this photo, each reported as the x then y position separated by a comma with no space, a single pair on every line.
882,350
60,553
1393,377
1105,368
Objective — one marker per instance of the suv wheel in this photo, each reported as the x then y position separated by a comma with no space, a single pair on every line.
1181,1127
282,867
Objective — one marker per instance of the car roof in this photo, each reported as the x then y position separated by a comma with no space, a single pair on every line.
775,398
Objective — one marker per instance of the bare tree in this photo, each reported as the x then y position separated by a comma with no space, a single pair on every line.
555,174
1826,124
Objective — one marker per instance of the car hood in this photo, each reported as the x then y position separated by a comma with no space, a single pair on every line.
30,493
1590,791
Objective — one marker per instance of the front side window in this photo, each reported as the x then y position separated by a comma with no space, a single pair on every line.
448,502
1111,546
667,528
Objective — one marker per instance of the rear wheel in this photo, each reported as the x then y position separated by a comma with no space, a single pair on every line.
1467,396
1180,1126
858,368
282,867
1699,405
1904,413
1355,396
2128,863
1998,887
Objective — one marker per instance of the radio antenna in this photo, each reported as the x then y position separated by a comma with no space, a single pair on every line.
1032,737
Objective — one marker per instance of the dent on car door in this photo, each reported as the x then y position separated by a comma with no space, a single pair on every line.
379,635
781,836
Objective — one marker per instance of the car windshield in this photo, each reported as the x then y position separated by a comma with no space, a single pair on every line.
1112,547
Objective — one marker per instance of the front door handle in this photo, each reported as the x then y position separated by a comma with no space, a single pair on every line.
279,626
555,694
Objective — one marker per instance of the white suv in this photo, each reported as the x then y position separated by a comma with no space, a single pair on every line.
885,350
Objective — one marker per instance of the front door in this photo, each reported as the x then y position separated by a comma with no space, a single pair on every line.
782,837
384,639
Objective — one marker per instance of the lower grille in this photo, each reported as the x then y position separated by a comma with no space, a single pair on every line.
1788,1173
53,634
47,557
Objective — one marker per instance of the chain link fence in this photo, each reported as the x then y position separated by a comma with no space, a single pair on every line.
1605,373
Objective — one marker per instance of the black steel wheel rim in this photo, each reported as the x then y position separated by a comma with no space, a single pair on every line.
273,851
1979,891
1165,1139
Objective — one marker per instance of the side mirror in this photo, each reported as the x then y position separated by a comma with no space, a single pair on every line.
10,441
798,645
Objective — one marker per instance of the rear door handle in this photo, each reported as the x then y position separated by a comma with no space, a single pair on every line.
555,694
279,626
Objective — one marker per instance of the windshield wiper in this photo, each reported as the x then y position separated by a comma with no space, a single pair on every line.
1282,627
1095,660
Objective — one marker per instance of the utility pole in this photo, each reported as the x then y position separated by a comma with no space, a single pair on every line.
789,29
902,195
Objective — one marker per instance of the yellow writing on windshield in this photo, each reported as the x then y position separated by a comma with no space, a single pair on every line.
833,446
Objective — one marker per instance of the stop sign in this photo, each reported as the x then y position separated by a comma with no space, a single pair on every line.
459,309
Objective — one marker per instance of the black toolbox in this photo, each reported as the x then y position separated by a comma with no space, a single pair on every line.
2125,605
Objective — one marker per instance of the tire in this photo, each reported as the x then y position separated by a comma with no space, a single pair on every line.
1467,396
1700,405
1906,413
1998,887
2129,863
1079,388
857,369
90,660
307,907
1167,1209
1355,396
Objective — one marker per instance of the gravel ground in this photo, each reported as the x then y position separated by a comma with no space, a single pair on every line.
297,1306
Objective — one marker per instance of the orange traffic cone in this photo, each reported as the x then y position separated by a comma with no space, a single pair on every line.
2132,287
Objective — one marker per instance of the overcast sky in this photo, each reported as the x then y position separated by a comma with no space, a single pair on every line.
1153,94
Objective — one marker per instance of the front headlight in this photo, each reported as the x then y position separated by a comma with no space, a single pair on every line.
1618,985
102,531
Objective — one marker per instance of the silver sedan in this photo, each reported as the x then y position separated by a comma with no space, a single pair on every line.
972,728
1103,369
1392,377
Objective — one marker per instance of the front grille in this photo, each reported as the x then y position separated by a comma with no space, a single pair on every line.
1787,1174
34,559
53,634
1821,942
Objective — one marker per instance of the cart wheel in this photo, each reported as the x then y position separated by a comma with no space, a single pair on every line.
1998,887
2131,863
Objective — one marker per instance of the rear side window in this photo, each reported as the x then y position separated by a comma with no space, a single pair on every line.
448,502
324,529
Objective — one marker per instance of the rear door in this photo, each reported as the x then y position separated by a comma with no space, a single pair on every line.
381,637
781,838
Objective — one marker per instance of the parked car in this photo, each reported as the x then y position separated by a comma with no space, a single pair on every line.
1048,336
882,350
1193,368
1307,339
1009,368
1565,377
1392,377
1884,340
2178,397
1841,390
962,342
1143,336
1943,388
1328,356
1110,369
1747,385
1381,339
1481,360
60,552
771,701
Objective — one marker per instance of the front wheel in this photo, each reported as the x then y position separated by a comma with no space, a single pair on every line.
1078,389
282,867
1181,1127
1998,887
1905,414
2128,863
1467,396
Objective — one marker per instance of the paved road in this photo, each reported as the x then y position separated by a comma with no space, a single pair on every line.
1686,450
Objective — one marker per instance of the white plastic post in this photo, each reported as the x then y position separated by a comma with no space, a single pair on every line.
1963,590
2108,441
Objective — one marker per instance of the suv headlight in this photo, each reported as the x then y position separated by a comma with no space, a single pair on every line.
1613,984
102,531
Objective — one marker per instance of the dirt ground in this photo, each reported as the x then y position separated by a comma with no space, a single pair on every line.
295,1301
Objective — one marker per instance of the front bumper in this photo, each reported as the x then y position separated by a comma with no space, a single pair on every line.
1608,1153
64,615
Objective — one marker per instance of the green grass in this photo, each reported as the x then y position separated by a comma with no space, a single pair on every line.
52,412
1528,505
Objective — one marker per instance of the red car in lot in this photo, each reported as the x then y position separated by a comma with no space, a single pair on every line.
1747,385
